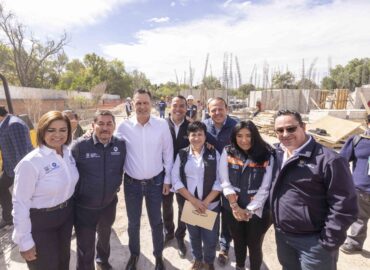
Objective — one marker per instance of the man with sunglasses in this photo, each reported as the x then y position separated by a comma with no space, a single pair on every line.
312,197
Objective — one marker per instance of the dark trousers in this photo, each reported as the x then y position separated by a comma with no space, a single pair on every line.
358,233
225,238
167,211
51,232
248,235
304,252
88,222
5,197
135,191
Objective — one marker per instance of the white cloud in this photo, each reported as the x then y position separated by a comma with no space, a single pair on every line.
54,15
226,3
279,32
159,20
173,4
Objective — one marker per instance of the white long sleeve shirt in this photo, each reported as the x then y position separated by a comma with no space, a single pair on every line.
194,171
149,148
258,202
43,179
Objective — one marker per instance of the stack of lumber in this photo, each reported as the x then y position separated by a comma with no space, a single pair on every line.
265,122
338,130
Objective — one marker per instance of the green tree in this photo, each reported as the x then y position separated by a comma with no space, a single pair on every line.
245,89
211,82
283,81
306,84
328,83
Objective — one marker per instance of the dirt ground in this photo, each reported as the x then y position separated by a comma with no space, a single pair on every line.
10,258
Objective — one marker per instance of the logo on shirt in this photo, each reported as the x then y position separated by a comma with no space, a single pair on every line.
92,155
211,157
303,163
51,167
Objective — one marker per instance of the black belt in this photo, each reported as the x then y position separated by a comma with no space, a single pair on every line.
57,207
140,181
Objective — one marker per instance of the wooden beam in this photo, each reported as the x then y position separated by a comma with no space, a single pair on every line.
363,100
314,103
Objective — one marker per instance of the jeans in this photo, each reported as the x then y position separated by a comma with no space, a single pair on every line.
199,236
5,196
135,191
169,225
161,114
359,227
225,238
88,223
304,252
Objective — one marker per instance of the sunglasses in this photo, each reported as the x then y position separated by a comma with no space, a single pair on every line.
288,130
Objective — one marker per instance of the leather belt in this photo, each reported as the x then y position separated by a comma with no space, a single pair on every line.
139,181
57,207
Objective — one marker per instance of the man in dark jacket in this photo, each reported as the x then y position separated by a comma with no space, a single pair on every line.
359,154
99,161
15,143
178,126
219,128
312,198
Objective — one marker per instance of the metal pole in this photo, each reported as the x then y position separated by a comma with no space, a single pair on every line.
7,94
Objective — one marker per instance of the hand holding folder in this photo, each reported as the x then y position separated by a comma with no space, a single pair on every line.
191,216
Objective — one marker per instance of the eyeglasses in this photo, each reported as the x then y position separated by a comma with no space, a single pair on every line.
288,129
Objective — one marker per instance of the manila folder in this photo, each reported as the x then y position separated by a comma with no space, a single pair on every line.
191,216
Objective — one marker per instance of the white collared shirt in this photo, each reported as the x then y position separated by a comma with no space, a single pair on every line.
149,148
194,171
177,127
42,179
258,202
295,152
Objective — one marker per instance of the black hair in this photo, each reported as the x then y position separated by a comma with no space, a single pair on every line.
143,91
181,97
197,126
260,151
102,113
3,111
293,113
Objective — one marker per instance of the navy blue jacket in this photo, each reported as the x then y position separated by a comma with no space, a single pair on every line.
15,142
314,193
220,140
100,169
360,157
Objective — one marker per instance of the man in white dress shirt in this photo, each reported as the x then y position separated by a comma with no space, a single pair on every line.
147,173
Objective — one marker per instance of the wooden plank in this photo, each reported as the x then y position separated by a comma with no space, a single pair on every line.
314,103
363,100
336,128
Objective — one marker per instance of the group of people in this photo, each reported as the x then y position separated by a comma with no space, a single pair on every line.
305,189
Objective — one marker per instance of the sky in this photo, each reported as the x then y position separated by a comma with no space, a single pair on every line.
164,38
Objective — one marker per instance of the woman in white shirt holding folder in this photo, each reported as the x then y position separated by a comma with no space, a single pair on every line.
246,180
195,177
45,181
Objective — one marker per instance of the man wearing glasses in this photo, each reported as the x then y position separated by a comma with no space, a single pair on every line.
312,198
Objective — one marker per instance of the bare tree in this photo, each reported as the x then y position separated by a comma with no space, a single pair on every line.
27,58
98,91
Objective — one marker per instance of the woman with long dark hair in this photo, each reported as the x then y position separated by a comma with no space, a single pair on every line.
246,183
